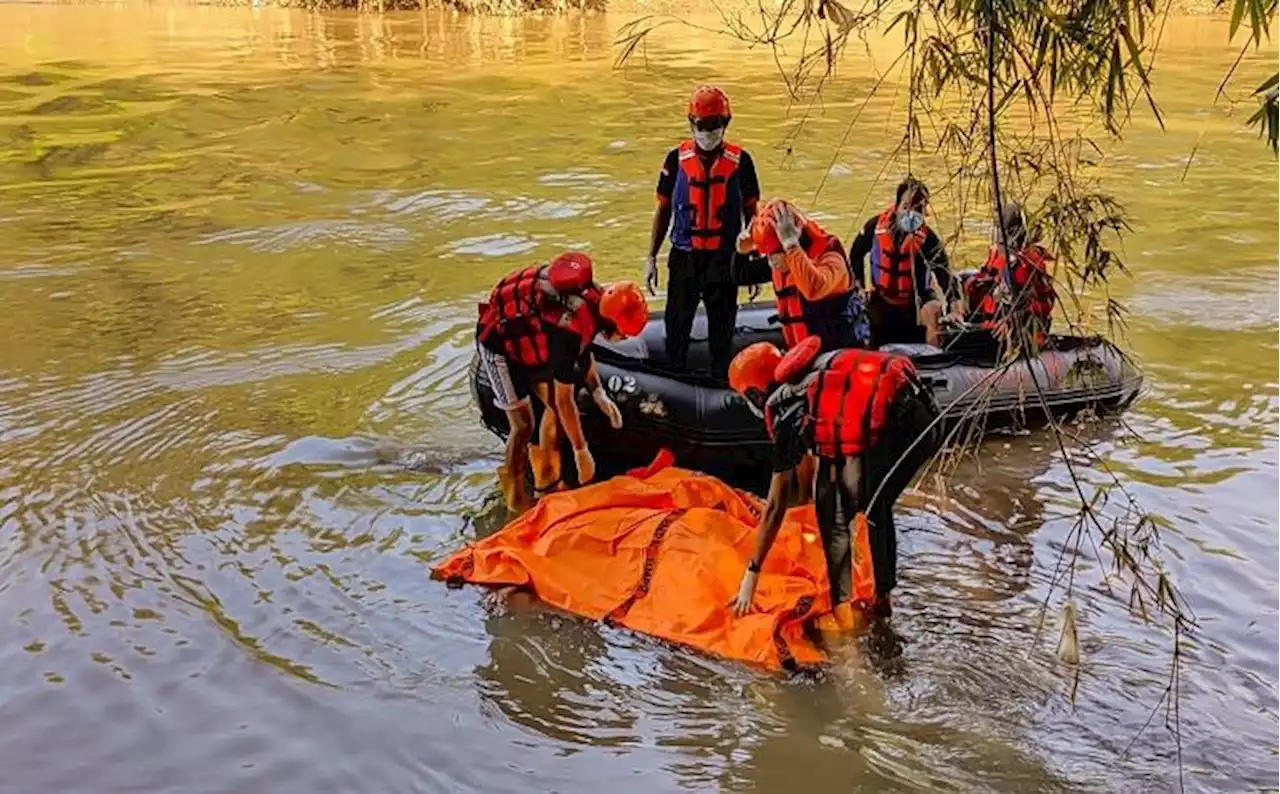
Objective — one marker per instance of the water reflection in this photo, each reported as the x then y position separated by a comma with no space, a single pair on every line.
235,430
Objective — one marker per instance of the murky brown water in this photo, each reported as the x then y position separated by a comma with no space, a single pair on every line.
240,251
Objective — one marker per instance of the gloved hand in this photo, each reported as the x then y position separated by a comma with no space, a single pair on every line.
753,292
585,464
651,274
745,244
607,407
746,592
788,227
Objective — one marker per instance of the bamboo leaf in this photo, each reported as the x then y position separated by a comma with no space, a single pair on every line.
1237,15
1268,83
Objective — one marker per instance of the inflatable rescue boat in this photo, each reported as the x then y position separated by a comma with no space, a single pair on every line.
709,428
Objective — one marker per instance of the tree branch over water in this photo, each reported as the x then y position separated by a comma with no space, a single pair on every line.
1014,100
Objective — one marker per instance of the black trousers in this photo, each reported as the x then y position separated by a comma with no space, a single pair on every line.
695,277
844,486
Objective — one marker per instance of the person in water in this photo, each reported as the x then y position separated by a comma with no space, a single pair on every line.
906,257
707,192
872,426
533,336
1003,297
817,291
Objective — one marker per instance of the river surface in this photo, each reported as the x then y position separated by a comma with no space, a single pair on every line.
241,251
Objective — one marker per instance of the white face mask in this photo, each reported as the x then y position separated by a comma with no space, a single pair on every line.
708,141
910,221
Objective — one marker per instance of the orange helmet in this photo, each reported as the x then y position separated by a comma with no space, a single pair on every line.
709,102
764,230
753,368
570,272
622,305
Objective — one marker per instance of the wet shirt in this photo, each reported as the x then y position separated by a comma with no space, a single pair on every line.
932,257
791,434
567,360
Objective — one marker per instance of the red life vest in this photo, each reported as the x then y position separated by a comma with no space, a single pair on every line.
708,192
893,263
521,307
1029,273
849,395
827,318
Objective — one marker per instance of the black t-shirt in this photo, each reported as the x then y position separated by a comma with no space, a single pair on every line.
933,257
791,431
568,359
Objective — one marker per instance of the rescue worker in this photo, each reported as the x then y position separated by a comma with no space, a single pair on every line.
871,425
906,256
707,192
533,336
817,291
1001,297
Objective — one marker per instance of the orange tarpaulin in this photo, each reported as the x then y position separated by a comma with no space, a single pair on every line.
662,552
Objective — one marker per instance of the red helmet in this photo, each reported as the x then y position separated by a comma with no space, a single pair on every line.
570,272
623,306
764,230
709,102
797,360
753,368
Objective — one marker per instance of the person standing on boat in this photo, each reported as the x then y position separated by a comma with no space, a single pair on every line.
1002,298
817,291
872,426
707,192
533,336
906,258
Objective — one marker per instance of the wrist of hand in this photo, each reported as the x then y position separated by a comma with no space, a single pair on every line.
599,394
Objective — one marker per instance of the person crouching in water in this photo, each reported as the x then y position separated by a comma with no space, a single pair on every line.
817,291
534,336
1004,298
872,426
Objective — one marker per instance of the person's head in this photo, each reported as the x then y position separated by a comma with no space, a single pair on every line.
708,116
623,310
1010,226
764,226
912,203
751,374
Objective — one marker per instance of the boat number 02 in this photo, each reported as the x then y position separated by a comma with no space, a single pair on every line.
619,384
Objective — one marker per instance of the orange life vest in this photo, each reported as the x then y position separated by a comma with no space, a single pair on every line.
830,319
520,308
893,263
1029,273
849,395
708,193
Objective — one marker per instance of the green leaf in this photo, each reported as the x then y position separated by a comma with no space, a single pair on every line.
1270,81
1237,14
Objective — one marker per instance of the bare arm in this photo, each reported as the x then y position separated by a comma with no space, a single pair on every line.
661,221
775,508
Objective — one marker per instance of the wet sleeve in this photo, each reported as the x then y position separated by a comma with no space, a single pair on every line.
859,250
667,177
750,184
821,278
789,442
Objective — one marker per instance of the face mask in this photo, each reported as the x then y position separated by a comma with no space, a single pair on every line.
708,141
910,221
